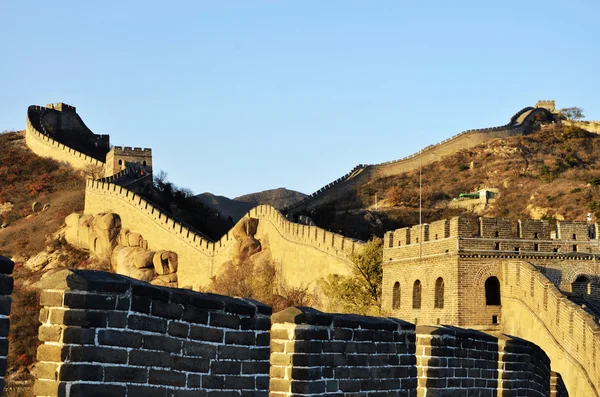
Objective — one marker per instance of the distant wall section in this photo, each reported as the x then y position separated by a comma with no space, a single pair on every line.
303,253
44,146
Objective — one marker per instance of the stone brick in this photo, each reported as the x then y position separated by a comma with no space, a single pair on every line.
199,350
223,320
82,318
239,382
169,378
194,315
89,301
4,327
97,390
46,388
166,310
50,333
126,374
79,335
80,372
51,298
240,337
190,364
117,319
206,334
140,304
180,330
150,358
44,370
144,323
120,338
225,367
162,343
146,391
6,284
98,354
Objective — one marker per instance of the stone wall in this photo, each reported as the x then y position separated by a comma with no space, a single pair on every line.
589,126
315,353
6,288
105,334
303,253
44,146
534,309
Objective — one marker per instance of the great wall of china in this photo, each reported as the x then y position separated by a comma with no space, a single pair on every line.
464,140
81,309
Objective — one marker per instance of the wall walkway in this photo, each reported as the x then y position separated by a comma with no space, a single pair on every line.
534,309
44,146
304,253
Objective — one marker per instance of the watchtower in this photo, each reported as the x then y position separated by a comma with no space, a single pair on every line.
548,105
61,107
118,157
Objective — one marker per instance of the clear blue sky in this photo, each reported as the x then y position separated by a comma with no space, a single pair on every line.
240,96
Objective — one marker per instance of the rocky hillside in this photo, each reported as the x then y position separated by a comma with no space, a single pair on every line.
553,173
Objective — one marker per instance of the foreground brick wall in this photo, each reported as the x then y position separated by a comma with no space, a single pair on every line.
315,353
106,334
6,288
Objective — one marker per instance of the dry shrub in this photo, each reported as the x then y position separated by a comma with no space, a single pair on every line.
259,282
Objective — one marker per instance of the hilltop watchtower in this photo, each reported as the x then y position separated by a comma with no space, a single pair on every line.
118,157
548,105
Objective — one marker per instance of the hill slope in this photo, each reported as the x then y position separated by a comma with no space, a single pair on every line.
278,198
236,208
551,173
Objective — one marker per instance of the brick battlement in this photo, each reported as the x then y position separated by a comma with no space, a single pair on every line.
61,107
121,149
492,237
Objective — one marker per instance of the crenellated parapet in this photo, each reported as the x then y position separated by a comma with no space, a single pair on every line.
42,144
305,252
493,237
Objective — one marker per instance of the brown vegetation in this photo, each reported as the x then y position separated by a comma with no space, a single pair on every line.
553,172
259,281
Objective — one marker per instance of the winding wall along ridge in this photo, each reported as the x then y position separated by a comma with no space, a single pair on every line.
44,146
199,259
429,154
534,309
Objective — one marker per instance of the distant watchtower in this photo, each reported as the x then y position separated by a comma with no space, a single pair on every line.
548,105
119,156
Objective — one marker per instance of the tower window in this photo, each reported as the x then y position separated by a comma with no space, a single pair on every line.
492,291
396,296
416,304
439,293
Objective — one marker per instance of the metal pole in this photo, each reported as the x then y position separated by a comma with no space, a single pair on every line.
420,204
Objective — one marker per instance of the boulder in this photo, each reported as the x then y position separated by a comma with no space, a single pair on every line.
143,259
246,227
134,240
245,248
37,262
165,262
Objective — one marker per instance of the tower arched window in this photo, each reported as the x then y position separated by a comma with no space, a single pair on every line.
492,291
439,293
120,162
416,304
396,296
